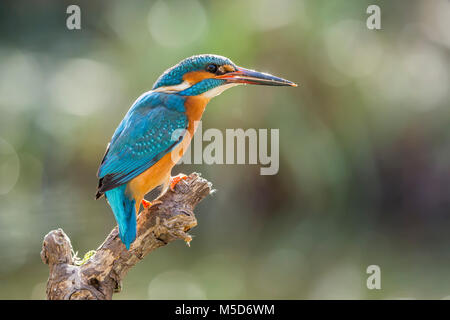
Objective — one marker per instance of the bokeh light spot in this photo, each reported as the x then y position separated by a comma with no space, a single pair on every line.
176,23
428,78
436,21
353,49
81,87
20,81
269,15
343,281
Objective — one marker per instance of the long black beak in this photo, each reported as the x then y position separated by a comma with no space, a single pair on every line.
242,75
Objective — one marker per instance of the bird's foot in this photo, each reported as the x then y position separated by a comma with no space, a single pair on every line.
147,204
176,179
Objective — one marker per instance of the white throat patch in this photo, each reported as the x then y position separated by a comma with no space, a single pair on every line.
218,90
172,89
185,85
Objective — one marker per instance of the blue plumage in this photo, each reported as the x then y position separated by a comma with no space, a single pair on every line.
123,206
153,126
148,131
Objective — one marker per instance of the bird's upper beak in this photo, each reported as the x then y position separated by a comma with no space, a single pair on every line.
242,75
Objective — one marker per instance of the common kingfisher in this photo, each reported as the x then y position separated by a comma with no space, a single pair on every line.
157,129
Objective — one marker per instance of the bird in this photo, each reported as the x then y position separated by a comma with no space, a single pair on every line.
157,129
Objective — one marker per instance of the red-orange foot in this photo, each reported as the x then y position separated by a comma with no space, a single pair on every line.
177,179
146,204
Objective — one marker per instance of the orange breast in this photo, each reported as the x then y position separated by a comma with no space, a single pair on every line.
195,106
154,176
159,173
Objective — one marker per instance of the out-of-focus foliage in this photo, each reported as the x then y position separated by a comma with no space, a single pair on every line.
364,144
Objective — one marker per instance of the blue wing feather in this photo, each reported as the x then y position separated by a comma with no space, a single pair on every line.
153,126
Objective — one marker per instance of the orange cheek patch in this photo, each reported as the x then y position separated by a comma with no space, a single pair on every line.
197,76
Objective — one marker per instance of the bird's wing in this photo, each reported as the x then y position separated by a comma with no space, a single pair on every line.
146,134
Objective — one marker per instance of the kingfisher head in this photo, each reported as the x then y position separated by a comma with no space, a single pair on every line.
208,75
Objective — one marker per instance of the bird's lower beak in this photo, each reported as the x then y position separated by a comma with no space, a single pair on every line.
242,75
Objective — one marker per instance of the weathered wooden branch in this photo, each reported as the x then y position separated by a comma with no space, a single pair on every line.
101,275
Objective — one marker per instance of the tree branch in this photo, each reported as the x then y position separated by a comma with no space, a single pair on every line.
101,275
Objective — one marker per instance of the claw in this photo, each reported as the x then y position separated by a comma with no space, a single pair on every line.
177,179
146,204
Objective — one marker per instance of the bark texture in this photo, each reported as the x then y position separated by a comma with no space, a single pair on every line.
99,277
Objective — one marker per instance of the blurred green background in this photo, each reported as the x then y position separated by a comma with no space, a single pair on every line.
364,144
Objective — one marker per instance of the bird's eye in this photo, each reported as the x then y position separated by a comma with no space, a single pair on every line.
211,68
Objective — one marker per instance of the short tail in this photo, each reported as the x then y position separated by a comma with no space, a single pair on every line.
125,213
